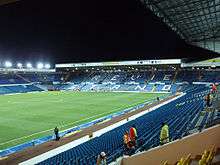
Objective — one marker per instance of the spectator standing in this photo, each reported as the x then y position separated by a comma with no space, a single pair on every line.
214,90
158,99
127,141
208,99
101,160
133,135
56,132
164,134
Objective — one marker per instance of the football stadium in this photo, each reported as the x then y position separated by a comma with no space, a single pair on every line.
121,112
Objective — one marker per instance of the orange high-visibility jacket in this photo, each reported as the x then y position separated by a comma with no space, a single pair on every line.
126,138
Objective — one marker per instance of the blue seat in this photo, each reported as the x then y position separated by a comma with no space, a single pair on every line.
148,127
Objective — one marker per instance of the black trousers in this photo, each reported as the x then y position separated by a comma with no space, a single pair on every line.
57,137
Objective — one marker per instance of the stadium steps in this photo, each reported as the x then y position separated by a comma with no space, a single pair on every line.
88,77
175,76
212,117
42,87
191,123
152,77
200,119
67,77
216,115
26,80
204,121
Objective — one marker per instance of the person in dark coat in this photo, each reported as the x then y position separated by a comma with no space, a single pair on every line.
56,132
158,99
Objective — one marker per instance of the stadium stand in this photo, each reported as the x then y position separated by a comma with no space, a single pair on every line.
204,151
43,77
27,82
18,89
182,115
148,80
10,79
185,116
143,80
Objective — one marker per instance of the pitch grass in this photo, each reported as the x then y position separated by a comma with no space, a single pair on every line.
31,113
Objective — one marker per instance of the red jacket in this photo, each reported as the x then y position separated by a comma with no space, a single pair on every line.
133,133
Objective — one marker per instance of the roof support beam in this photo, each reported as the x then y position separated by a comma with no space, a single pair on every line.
193,20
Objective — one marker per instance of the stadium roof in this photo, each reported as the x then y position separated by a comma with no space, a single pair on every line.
196,21
215,62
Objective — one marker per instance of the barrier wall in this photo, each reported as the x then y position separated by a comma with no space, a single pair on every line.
56,151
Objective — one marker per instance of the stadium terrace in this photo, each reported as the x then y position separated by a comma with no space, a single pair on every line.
94,104
145,112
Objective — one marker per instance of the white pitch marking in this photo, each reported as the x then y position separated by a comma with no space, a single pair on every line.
24,137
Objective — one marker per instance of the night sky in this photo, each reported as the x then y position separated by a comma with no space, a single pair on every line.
86,30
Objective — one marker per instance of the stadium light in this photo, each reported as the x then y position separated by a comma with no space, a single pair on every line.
29,65
40,65
8,64
47,66
19,65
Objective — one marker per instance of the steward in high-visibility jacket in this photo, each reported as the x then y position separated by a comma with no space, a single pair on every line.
133,135
208,99
164,134
127,140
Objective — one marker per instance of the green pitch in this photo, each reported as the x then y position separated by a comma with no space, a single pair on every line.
27,116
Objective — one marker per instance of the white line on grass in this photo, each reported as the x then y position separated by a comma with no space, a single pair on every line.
24,137
75,143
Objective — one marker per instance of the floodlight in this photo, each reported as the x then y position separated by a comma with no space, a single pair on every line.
40,66
29,65
8,64
47,66
19,65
